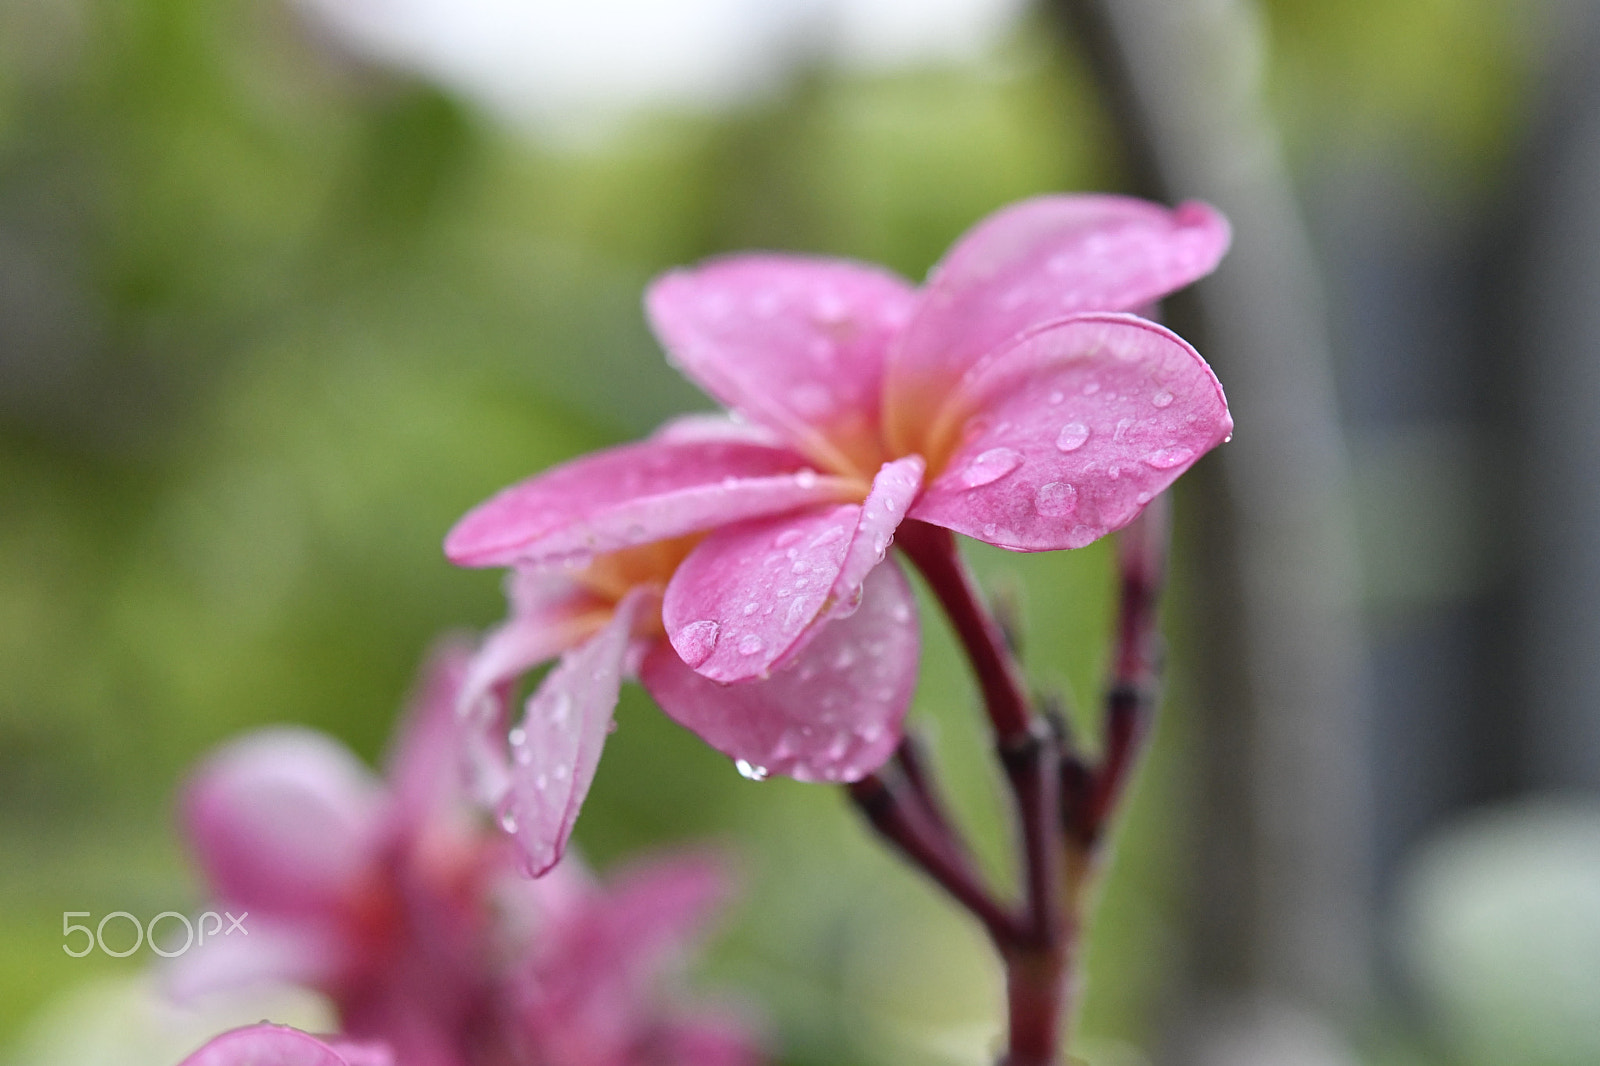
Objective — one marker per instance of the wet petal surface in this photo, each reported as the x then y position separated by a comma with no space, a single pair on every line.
1068,434
832,713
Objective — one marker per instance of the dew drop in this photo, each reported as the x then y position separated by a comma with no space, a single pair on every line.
827,536
990,466
787,537
750,771
1056,499
518,737
560,707
800,566
1163,398
1123,425
1167,458
750,644
1073,436
900,613
508,821
751,608
1091,387
844,658
795,615
561,772
1056,397
806,478
696,641
541,782
990,529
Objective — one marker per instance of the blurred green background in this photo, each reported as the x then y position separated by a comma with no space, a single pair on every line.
274,318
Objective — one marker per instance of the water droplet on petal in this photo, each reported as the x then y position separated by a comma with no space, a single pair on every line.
518,737
990,466
827,536
1167,458
1056,397
787,537
1163,398
1056,499
1073,435
562,772
793,618
696,641
800,566
750,771
508,821
990,529
560,707
900,613
751,608
806,478
844,658
1091,387
1123,425
541,782
750,644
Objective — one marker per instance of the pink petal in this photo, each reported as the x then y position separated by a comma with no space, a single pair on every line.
549,614
1065,436
795,343
285,820
833,713
556,747
276,952
278,1045
1034,262
745,597
424,765
706,426
633,494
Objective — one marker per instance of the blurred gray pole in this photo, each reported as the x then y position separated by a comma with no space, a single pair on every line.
1557,338
1282,888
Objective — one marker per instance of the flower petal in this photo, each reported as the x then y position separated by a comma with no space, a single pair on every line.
1066,435
795,343
549,614
279,1045
634,494
423,765
286,820
1033,262
745,597
833,713
556,747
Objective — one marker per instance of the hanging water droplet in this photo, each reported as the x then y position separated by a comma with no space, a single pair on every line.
508,821
1163,398
696,641
750,771
1073,435
750,644
1055,499
1167,458
518,737
990,466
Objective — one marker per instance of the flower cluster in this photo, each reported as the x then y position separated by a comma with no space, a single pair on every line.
733,564
395,900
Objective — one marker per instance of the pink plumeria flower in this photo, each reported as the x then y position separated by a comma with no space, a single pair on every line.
832,714
394,899
377,893
1012,399
278,1045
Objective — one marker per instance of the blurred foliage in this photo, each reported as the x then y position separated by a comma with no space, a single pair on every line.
270,320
